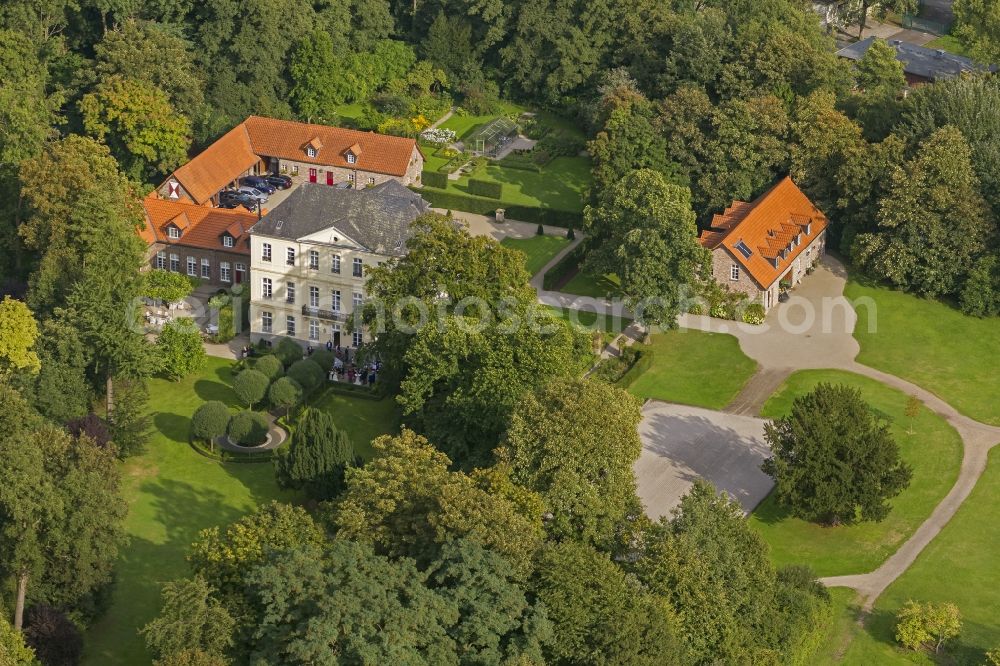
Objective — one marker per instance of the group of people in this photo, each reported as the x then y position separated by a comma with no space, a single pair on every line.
346,368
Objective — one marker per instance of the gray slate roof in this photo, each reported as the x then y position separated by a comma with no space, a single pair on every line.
377,217
918,60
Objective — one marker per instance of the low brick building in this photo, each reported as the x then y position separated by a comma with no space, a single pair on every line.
317,153
211,244
759,245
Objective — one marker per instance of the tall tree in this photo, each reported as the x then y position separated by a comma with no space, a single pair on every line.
879,78
644,230
136,119
833,460
629,141
574,443
600,614
317,457
407,503
191,618
978,25
314,70
18,333
933,224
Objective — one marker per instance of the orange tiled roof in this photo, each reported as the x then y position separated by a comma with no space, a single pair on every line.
205,228
218,165
768,227
378,153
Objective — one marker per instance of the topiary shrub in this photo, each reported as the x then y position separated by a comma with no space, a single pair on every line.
570,234
250,387
288,350
485,188
271,366
210,420
307,373
434,179
540,231
754,314
284,393
247,428
323,358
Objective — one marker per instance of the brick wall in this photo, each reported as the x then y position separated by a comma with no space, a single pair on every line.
722,263
215,259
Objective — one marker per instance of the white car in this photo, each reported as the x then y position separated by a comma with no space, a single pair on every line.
254,192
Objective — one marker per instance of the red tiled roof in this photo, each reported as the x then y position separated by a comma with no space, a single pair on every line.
218,165
767,227
378,153
205,228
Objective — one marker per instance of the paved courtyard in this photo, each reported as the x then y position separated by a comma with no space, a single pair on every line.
681,444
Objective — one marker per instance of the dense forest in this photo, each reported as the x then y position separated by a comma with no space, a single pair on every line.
451,545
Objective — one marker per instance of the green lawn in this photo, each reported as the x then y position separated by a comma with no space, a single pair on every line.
350,111
934,451
960,565
933,345
538,250
172,493
596,286
363,419
694,368
948,43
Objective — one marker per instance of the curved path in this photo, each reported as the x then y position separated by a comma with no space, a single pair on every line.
277,436
815,330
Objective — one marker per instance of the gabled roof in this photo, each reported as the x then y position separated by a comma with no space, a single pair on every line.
771,228
218,165
205,227
377,217
378,153
932,64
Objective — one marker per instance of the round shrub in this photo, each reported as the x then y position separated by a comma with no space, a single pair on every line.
284,393
754,314
248,428
307,373
323,358
210,420
271,366
288,351
696,309
721,310
250,386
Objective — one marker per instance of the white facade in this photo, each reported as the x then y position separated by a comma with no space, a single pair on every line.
314,287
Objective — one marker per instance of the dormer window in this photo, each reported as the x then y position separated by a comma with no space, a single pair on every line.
351,154
808,228
312,148
351,158
227,241
310,151
173,232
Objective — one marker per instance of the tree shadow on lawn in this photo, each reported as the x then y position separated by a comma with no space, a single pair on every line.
174,427
211,390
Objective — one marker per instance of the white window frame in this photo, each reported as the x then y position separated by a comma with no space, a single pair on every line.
310,151
371,180
335,300
290,325
295,172
352,158
206,269
357,267
314,260
266,288
357,338
266,322
175,263
227,241
357,300
225,272
290,292
265,252
734,272
161,260
313,296
313,330
335,264
290,256
173,232
192,266
241,269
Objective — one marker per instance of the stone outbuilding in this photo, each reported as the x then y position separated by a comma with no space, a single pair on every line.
767,245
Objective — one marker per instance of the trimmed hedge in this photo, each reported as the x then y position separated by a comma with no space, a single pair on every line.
434,179
565,267
644,363
480,206
485,188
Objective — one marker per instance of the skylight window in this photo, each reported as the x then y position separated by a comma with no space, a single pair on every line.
744,250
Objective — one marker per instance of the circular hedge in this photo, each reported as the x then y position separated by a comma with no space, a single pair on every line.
248,429
271,366
288,351
323,358
307,373
210,420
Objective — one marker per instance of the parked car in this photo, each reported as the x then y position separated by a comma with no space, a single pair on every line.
253,192
257,182
232,199
280,181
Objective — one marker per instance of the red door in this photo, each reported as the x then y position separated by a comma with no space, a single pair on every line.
329,178
312,175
